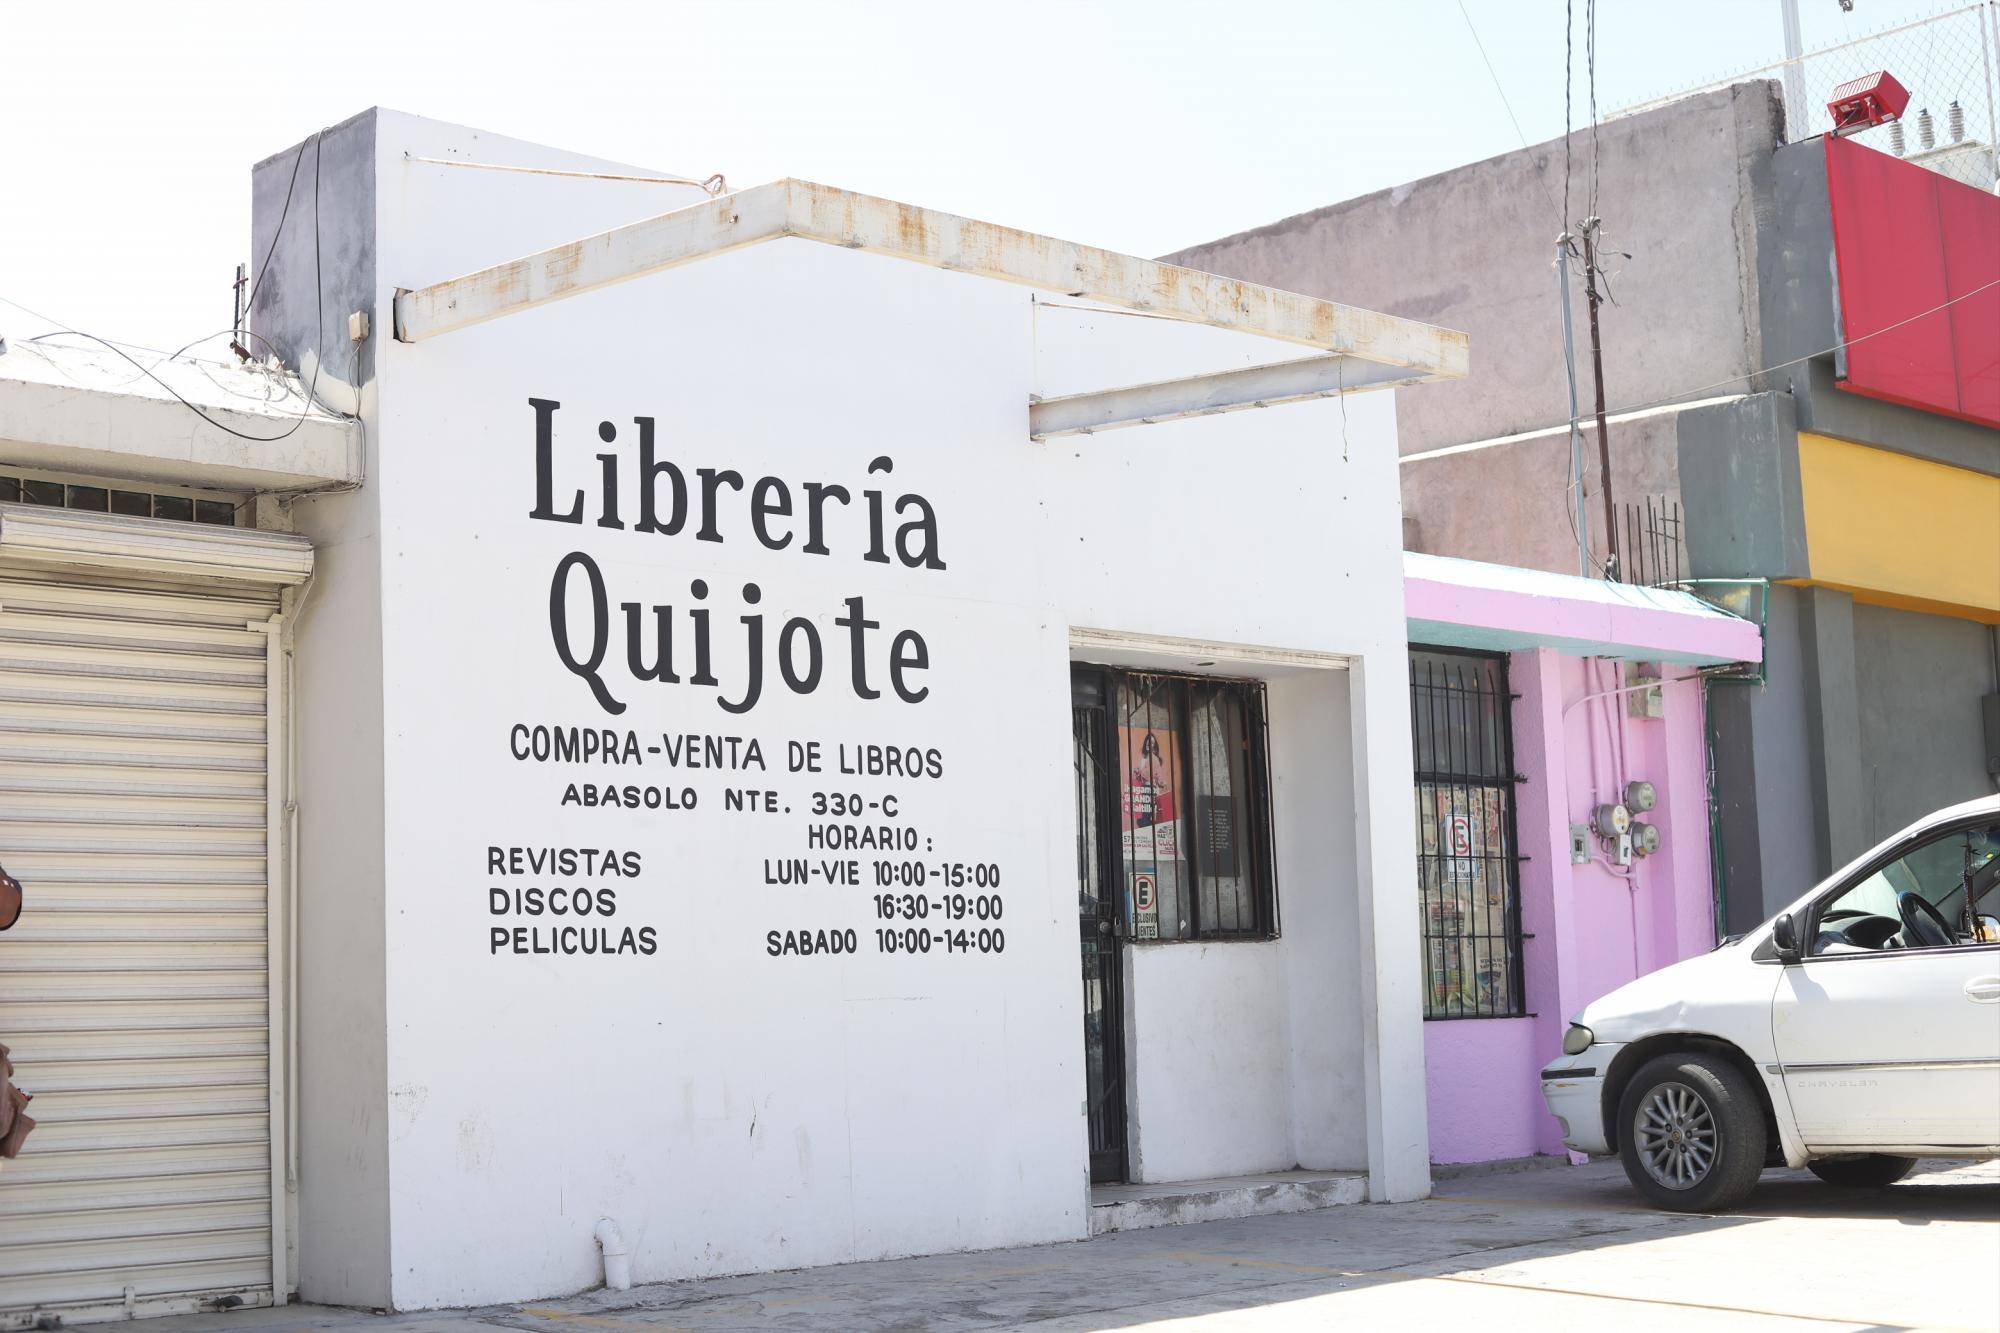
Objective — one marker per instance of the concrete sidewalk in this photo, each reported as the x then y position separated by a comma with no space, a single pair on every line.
1557,1248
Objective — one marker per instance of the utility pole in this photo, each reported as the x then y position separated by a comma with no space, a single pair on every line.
236,318
1591,295
1795,73
1578,512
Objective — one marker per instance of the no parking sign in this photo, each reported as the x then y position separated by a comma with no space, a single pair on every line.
1146,904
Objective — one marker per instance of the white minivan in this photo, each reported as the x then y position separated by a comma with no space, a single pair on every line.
1852,1033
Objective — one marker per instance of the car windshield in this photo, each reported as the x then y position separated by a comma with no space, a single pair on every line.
1967,863
1944,872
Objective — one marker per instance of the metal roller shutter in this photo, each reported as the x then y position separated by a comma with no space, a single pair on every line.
136,990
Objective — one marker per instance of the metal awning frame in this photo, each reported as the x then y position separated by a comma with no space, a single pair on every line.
1360,349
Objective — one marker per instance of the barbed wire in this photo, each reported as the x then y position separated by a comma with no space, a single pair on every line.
1945,60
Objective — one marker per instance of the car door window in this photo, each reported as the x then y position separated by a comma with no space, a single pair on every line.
1939,894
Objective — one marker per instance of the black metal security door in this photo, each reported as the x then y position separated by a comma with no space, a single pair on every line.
1097,914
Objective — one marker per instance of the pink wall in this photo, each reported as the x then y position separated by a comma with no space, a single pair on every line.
1593,927
1481,1109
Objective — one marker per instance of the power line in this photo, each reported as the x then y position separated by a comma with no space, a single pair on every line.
1569,66
59,329
1502,91
1590,61
1492,73
284,213
1810,356
165,357
1574,482
714,186
305,408
319,308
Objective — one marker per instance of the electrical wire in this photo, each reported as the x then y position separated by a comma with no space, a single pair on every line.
29,310
1569,66
1574,484
319,284
1683,394
1494,75
1340,383
284,213
165,357
714,186
319,357
319,307
1590,62
1041,303
305,409
1593,271
1574,488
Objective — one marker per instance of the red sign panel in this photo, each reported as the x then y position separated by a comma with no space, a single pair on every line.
1906,241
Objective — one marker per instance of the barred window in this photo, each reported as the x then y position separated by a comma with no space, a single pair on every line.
1193,804
108,500
1467,870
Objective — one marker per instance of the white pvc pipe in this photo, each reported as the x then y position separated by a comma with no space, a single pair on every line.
617,1268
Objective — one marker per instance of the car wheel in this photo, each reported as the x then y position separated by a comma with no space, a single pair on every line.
1691,1133
1865,1171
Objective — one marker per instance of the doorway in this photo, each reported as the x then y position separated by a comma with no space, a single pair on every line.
1098,900
138,992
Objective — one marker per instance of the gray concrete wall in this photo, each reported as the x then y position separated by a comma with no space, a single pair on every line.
1869,719
1920,678
1683,193
1767,801
1795,276
1473,249
1833,709
1508,502
1739,478
321,268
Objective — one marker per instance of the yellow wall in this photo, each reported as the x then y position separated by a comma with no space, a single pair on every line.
1901,531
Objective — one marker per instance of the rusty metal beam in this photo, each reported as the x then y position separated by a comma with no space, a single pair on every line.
1206,395
795,208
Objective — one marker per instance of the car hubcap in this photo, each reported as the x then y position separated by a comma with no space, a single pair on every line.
1675,1134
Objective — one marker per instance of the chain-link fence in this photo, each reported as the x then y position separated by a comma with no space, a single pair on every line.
1949,61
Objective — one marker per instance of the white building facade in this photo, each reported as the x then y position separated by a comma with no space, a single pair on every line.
750,768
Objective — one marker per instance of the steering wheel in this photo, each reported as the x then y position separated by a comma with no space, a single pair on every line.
1925,924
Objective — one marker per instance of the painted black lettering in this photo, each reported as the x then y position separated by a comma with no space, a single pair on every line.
585,669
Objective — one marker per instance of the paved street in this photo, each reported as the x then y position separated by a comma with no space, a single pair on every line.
1545,1249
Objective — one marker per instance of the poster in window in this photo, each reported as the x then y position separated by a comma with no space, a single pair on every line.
1215,836
1464,835
1447,978
1149,796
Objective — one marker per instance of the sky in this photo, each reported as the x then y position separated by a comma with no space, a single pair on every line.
127,130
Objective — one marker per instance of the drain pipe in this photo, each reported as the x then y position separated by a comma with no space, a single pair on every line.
617,1268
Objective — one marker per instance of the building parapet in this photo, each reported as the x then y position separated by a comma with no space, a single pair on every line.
1498,608
190,423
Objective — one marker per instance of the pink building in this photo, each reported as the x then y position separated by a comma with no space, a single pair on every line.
1536,700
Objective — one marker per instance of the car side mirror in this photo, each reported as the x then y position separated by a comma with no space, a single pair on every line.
1986,929
1785,938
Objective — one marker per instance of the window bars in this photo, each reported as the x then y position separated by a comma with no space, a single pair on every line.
1655,542
1468,870
1193,800
112,500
